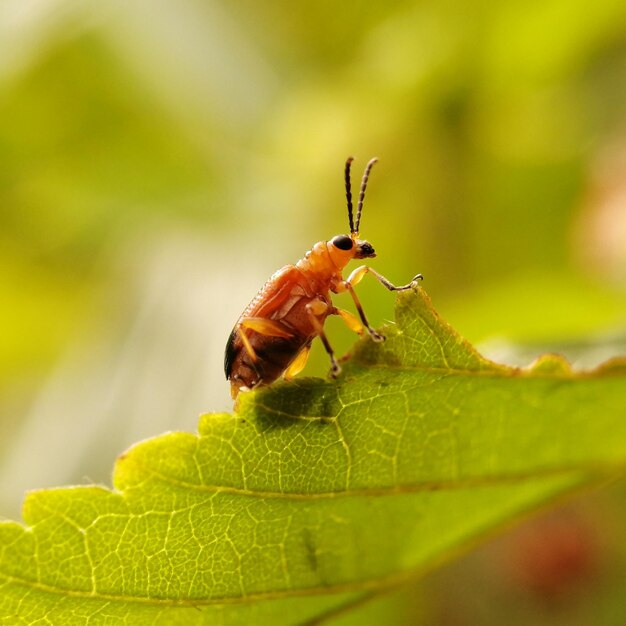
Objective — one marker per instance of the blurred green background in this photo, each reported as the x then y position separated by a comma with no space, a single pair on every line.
159,160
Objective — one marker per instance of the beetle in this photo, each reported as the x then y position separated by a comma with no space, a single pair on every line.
273,336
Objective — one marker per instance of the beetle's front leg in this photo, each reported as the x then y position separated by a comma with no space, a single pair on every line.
357,275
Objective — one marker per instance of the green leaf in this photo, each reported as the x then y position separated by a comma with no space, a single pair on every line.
315,495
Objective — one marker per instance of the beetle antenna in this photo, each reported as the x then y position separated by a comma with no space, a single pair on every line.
349,192
359,208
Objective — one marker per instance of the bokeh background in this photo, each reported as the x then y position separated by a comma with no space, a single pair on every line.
159,160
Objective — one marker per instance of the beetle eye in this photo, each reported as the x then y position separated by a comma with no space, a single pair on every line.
343,242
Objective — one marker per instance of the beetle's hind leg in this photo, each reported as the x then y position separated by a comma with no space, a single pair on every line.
248,346
254,359
263,326
266,327
311,309
297,365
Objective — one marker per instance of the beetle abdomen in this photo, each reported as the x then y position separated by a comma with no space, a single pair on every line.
274,355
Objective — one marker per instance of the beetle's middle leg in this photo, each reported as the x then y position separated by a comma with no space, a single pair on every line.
351,320
376,336
313,309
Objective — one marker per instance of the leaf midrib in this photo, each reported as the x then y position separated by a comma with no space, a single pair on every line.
374,584
363,585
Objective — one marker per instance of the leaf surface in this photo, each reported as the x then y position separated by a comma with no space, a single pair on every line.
314,494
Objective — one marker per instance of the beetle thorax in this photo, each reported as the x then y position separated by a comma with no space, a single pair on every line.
320,264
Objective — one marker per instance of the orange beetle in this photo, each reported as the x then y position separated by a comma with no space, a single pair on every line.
273,335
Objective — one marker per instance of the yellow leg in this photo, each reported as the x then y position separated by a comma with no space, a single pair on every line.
297,365
355,278
357,303
357,275
317,307
262,326
248,346
352,321
335,369
266,327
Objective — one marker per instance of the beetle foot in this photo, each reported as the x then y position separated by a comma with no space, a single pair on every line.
335,369
377,337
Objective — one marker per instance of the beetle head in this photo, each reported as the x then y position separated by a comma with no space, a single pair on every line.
364,250
343,248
